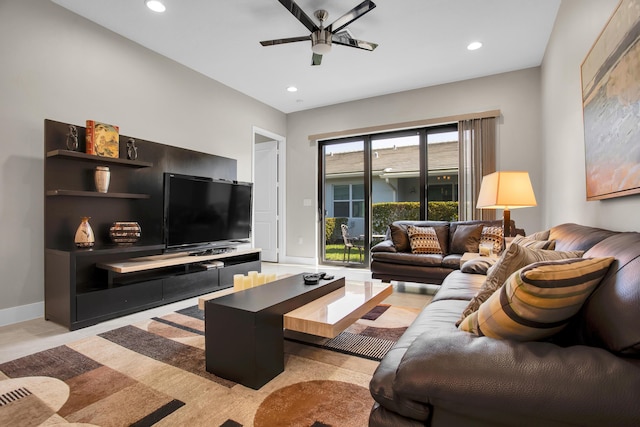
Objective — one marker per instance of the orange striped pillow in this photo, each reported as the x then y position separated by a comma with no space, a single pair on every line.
537,301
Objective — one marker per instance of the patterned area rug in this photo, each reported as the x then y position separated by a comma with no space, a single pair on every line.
153,373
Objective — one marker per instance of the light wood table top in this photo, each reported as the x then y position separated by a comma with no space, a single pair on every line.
331,314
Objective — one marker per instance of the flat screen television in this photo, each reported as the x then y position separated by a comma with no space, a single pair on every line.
205,213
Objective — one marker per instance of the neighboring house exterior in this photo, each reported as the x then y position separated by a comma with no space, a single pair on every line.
395,178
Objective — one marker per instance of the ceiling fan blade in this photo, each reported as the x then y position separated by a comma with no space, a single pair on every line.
299,14
283,41
316,59
360,44
352,15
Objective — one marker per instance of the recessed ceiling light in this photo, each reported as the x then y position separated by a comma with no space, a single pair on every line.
155,5
292,89
474,46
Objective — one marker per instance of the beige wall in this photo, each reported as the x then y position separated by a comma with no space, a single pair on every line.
578,24
516,94
59,66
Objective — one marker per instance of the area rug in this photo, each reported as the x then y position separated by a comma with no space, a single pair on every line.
370,337
153,373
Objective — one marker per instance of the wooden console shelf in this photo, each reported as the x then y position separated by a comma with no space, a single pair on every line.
76,155
79,193
134,265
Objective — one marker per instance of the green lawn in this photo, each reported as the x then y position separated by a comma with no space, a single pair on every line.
335,253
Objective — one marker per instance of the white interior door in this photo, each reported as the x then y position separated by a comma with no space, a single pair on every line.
265,200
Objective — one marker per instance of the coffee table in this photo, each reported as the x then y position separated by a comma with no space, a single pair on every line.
244,337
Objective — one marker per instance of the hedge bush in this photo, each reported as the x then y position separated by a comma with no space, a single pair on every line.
385,213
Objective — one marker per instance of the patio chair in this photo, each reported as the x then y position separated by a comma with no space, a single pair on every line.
349,244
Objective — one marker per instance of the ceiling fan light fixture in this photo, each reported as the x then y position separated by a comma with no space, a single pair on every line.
321,42
155,5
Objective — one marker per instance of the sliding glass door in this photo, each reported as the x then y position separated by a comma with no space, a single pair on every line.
369,181
344,213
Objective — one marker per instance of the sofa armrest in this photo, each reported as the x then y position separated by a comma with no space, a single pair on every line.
506,382
384,246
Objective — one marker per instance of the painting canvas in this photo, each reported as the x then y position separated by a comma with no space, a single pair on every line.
611,106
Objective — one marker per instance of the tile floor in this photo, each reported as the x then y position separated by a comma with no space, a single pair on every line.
35,335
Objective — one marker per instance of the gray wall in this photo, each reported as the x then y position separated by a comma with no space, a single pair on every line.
516,94
577,26
60,66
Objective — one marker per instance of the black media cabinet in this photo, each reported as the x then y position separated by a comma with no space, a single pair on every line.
78,293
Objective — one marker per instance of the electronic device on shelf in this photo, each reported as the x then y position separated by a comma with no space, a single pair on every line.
203,214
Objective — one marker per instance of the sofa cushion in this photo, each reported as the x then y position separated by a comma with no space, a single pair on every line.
537,301
400,238
577,237
512,259
478,265
494,237
407,258
611,316
466,238
459,286
423,240
533,243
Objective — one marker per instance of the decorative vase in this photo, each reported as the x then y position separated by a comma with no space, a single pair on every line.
84,234
132,150
102,176
125,233
72,138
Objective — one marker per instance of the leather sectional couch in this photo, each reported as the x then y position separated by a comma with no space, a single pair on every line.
586,375
392,258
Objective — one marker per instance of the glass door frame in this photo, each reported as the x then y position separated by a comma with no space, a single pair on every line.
322,208
423,148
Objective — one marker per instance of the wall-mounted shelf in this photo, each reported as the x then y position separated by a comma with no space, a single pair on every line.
77,193
77,292
76,155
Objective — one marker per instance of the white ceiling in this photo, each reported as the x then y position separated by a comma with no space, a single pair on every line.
421,43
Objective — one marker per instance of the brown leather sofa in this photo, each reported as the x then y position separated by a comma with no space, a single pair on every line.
394,261
588,375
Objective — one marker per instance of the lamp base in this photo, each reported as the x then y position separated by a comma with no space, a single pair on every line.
506,223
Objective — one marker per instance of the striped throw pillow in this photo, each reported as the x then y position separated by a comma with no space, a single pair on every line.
423,240
512,259
537,301
492,236
534,244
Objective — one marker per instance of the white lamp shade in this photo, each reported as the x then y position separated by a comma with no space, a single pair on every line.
506,190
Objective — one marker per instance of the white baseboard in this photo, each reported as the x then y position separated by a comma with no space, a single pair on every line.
297,260
11,315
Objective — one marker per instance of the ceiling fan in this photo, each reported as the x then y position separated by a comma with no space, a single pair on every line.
322,37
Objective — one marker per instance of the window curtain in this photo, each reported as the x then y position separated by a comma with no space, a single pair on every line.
477,158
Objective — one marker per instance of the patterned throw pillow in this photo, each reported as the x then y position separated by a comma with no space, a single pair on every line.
492,236
538,301
534,244
424,240
512,259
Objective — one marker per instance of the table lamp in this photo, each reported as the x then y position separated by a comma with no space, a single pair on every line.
506,190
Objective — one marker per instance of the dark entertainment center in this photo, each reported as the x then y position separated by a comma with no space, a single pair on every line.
87,286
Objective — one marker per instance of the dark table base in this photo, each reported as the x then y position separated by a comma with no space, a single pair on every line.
244,339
